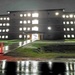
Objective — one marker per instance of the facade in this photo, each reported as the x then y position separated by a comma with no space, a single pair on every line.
54,24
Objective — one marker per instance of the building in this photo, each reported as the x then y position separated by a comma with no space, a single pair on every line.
53,24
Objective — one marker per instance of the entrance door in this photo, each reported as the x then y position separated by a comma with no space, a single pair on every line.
35,37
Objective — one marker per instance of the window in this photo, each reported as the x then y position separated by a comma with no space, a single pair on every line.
68,29
71,15
7,24
29,14
0,36
64,22
3,30
68,36
67,16
64,29
35,21
0,30
71,22
21,15
24,15
20,22
63,16
6,36
1,18
25,22
3,37
20,36
0,24
72,36
35,28
64,36
67,22
72,29
7,30
4,18
56,13
3,24
28,28
28,36
20,29
24,28
35,15
49,28
28,21
8,18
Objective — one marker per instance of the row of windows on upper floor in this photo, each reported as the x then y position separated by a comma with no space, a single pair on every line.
4,30
34,14
4,24
24,36
68,22
35,28
69,36
68,16
4,18
35,21
4,36
68,29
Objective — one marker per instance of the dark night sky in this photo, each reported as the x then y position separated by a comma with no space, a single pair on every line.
12,5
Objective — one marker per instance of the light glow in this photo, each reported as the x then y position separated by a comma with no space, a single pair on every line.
35,28
57,13
35,15
35,21
49,28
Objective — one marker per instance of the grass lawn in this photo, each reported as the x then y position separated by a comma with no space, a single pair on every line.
9,42
30,50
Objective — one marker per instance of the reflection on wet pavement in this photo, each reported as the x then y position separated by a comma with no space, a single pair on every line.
36,68
16,45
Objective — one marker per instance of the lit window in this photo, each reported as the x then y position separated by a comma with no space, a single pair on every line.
28,28
67,16
63,22
6,36
28,21
0,24
21,15
49,28
68,29
3,30
56,13
35,28
20,36
8,18
7,24
20,22
24,15
71,15
64,29
25,22
63,16
0,30
1,18
67,22
71,22
72,36
35,15
2,37
28,36
7,30
35,21
64,36
72,29
4,18
29,14
8,12
20,29
3,24
74,16
68,36
24,36
24,28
